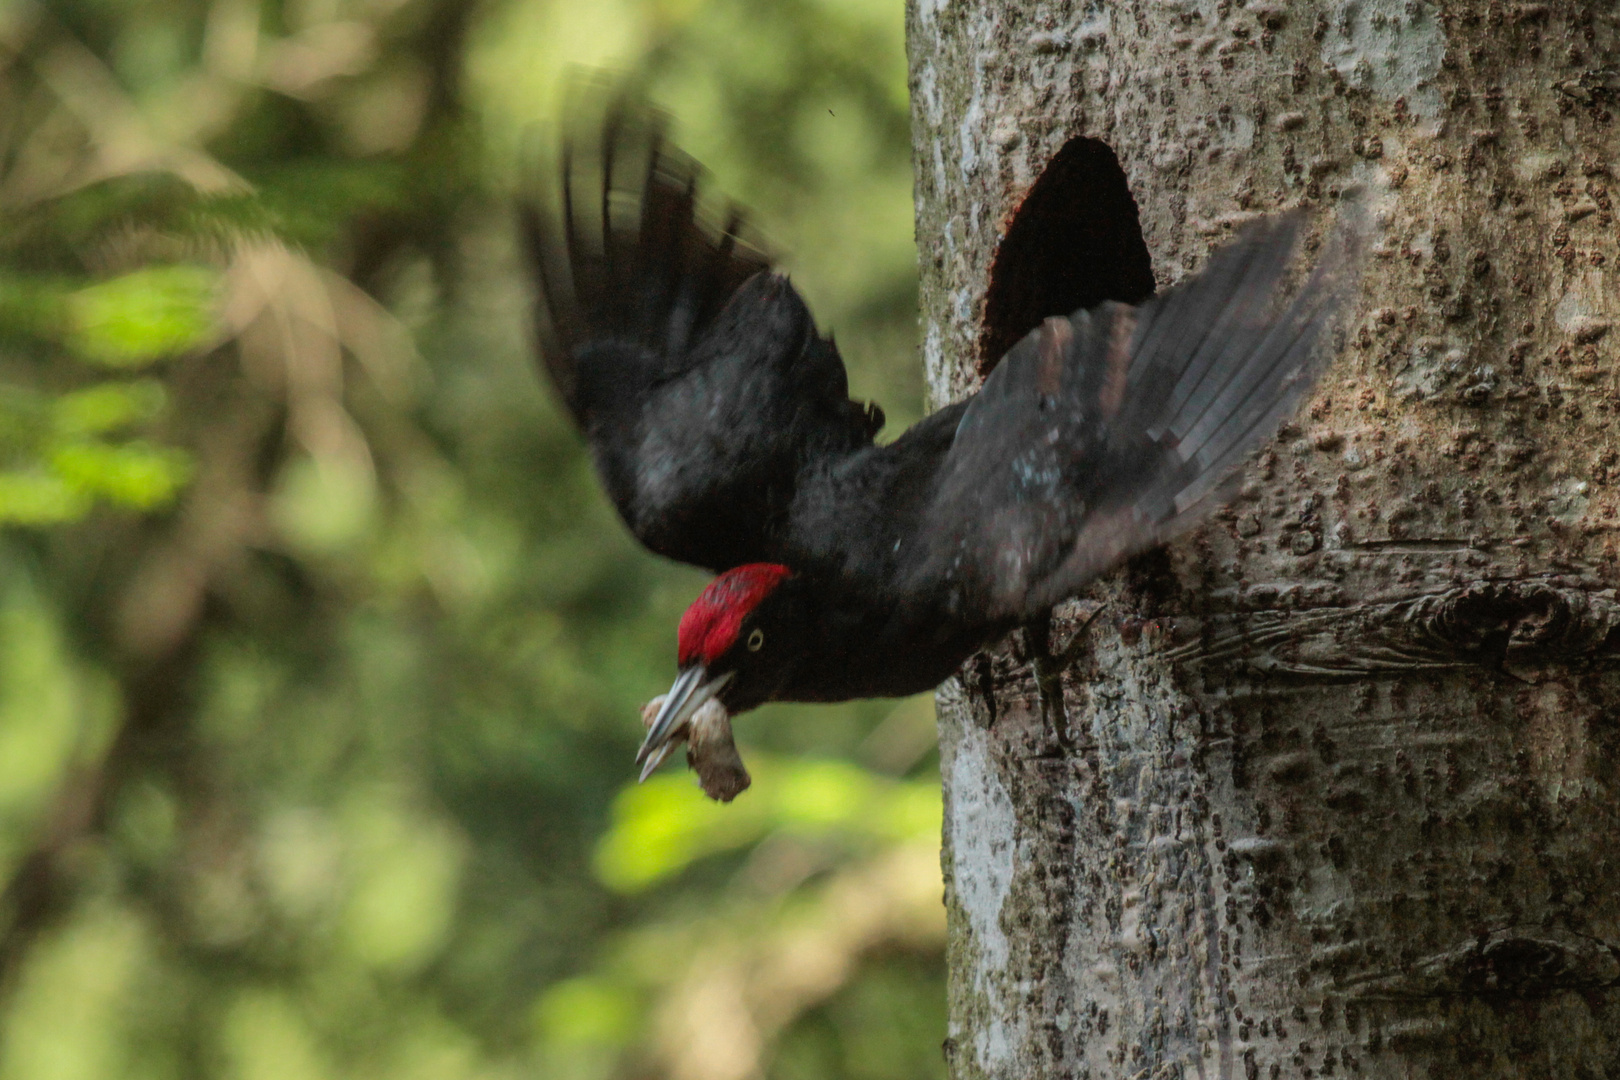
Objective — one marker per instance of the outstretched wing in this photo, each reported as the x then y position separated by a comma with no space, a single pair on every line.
697,374
1107,432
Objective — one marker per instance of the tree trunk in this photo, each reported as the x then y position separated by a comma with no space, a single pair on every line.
1337,793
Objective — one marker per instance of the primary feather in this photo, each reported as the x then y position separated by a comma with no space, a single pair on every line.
697,374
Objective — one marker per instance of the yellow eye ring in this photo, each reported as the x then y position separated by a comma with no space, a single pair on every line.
756,640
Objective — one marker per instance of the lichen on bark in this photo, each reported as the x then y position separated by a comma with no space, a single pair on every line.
1340,776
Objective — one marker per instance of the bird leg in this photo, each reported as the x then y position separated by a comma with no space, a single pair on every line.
711,752
1048,682
1049,668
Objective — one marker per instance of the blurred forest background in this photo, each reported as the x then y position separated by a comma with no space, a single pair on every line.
321,655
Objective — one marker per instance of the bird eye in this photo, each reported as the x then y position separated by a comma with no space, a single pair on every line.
756,640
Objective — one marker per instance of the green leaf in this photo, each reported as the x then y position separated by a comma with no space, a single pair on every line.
31,497
586,1009
661,827
134,474
144,316
106,407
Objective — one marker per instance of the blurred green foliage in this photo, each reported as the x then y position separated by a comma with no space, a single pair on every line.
60,452
143,316
659,828
321,654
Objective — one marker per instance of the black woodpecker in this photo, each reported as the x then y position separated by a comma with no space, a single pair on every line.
722,428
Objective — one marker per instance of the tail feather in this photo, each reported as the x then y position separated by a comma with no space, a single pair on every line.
1283,373
1215,372
1170,355
1260,368
1244,312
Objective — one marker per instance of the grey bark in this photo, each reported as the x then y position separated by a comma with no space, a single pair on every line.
1338,795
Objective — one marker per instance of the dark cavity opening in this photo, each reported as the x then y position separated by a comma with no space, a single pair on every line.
1074,241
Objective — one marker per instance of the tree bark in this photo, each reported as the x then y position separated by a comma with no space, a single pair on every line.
1338,791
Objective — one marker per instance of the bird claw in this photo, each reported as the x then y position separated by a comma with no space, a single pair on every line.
711,751
1049,668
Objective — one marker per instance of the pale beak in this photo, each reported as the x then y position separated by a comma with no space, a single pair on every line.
692,688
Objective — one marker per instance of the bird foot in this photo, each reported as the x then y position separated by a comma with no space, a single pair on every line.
1049,668
711,752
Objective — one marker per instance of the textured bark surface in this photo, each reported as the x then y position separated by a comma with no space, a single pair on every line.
1338,792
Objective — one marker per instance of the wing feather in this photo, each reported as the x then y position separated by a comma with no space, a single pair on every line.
697,375
1115,429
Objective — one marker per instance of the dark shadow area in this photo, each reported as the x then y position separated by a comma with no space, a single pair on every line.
1074,241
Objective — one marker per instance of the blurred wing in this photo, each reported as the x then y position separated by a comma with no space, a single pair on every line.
1113,430
696,374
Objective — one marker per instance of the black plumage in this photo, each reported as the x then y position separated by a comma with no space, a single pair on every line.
722,427
696,374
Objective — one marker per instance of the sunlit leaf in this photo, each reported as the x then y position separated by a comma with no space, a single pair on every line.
586,1010
826,794
45,725
144,316
404,871
265,1036
133,474
70,1016
106,407
36,497
661,827
324,504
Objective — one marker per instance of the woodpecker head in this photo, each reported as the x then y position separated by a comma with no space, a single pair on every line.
735,645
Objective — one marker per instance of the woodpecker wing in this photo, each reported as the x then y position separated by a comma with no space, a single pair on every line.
1112,430
696,374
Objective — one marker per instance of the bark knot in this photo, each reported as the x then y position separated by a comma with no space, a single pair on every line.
1517,623
1515,627
1522,963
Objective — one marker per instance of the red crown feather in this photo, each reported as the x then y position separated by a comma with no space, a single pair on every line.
710,626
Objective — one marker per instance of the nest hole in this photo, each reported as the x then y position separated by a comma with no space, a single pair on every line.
1074,241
